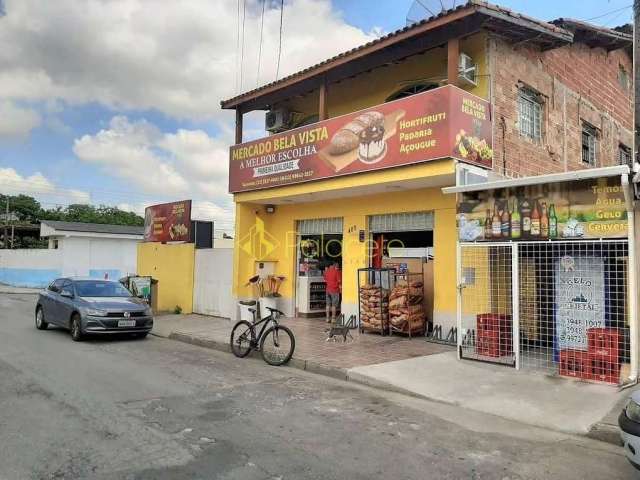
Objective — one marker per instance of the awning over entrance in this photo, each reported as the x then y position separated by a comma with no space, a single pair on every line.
540,179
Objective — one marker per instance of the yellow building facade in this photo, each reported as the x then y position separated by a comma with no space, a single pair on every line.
172,265
272,215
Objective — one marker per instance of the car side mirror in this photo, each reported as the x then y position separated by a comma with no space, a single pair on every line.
66,294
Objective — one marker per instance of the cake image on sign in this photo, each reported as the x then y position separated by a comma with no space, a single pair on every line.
348,138
372,145
364,138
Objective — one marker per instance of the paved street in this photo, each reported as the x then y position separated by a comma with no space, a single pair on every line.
159,409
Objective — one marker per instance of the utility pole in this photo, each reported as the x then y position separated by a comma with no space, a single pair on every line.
636,77
6,224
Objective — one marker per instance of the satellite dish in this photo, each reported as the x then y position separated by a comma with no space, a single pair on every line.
421,9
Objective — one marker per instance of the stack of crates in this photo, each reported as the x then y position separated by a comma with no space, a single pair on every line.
601,360
494,335
575,363
604,354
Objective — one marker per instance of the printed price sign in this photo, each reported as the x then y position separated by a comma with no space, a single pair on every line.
579,298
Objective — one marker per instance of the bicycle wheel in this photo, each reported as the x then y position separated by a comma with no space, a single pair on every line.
242,339
277,345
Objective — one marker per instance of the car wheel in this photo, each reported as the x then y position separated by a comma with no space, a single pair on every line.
41,324
76,328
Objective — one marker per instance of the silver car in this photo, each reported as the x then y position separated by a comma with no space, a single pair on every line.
90,306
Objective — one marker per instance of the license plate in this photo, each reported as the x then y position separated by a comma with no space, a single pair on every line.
126,323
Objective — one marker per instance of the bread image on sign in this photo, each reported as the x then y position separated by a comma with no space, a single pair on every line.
364,138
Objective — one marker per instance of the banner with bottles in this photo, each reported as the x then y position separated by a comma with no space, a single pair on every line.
584,209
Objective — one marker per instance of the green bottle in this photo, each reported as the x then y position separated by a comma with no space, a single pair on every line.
553,222
515,220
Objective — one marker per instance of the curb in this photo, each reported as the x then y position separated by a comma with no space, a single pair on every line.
600,431
605,432
299,363
2,292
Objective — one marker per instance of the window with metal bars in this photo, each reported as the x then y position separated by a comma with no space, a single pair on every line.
589,144
529,114
624,155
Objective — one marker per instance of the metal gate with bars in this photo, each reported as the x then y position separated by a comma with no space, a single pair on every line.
560,307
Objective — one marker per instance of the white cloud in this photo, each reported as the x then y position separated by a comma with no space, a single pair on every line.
39,187
16,122
185,164
178,57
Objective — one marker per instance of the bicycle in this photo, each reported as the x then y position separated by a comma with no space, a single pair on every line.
275,342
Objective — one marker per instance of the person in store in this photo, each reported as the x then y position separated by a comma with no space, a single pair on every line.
333,281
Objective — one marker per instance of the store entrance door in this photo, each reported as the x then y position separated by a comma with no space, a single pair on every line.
486,324
319,245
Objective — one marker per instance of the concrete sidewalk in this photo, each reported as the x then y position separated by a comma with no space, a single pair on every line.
541,400
550,402
8,289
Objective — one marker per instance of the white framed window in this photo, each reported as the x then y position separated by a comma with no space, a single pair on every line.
624,155
529,114
589,145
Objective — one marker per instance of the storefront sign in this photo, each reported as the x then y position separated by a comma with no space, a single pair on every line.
441,123
560,211
168,222
579,299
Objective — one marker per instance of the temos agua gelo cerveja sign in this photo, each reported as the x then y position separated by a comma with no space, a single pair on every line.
568,210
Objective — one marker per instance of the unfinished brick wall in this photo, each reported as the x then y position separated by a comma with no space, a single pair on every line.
577,84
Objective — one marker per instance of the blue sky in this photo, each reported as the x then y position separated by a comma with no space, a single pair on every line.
126,111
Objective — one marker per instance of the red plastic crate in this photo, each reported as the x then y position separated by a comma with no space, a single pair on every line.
494,334
604,344
603,371
575,363
493,321
488,346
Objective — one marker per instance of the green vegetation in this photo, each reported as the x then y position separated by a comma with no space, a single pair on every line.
28,210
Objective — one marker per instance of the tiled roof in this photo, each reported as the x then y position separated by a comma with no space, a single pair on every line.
496,12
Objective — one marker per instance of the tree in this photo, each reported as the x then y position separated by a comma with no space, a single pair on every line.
90,214
26,208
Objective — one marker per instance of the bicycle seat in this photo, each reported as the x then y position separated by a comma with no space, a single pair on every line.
274,310
252,310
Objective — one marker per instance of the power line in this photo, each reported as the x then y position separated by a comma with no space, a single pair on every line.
244,13
237,46
260,47
608,13
280,40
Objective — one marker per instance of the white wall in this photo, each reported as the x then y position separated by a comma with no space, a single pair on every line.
84,256
75,256
30,267
212,286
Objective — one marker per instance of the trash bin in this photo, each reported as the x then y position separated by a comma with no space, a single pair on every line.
271,302
245,305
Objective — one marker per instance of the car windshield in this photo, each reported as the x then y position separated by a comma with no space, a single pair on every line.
97,288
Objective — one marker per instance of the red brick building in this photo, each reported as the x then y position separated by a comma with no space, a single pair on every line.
584,86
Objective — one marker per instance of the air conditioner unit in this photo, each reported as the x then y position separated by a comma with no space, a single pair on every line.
467,70
277,120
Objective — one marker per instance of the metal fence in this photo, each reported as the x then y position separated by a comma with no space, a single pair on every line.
559,307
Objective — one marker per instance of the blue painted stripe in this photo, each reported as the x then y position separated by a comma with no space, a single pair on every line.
28,277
